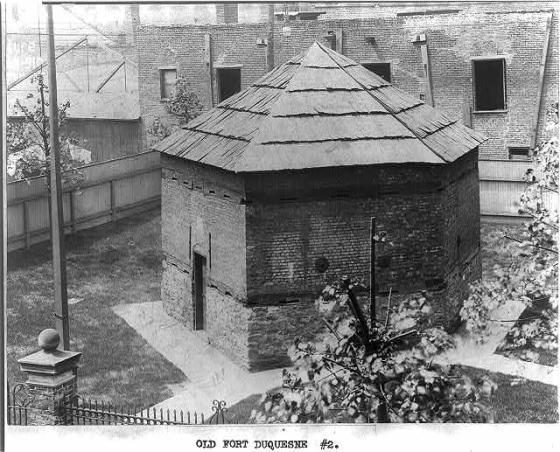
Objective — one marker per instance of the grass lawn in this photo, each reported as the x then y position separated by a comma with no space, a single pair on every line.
524,401
106,266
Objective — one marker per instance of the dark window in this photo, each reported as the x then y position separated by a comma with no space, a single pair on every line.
489,84
381,69
229,82
167,80
520,153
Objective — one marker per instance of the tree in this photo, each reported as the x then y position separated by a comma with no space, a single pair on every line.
532,282
184,103
157,131
28,141
382,373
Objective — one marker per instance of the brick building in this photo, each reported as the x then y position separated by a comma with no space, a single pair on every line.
510,48
269,196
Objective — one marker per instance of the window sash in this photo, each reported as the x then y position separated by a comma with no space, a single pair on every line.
479,105
168,80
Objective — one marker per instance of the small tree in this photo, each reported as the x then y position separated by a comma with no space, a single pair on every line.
28,141
185,103
382,373
157,131
532,282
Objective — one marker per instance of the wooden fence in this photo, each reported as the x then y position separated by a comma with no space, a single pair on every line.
106,139
110,190
501,185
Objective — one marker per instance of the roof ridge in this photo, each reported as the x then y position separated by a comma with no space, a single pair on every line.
383,104
342,140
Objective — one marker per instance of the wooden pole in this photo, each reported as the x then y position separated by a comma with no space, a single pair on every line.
208,63
87,63
372,274
542,66
427,72
4,398
57,219
270,38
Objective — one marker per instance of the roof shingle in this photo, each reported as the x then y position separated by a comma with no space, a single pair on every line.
320,109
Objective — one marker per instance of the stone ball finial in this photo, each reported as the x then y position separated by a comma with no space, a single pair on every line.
48,340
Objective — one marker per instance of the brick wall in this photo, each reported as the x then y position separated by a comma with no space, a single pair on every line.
202,213
228,325
295,218
461,233
452,40
267,232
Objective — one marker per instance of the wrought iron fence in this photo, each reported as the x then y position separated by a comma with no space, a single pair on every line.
19,407
91,412
85,411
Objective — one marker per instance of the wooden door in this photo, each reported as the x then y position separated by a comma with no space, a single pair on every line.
199,292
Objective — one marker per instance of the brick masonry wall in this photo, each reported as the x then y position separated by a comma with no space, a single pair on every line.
461,233
285,238
452,40
270,229
228,325
47,406
202,213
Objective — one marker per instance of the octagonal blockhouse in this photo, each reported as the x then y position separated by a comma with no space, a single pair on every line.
269,197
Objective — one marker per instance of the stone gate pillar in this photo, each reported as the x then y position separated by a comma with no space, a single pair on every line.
51,383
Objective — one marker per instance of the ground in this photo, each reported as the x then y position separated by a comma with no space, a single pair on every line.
119,264
106,266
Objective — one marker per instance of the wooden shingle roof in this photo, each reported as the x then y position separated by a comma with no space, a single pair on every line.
320,109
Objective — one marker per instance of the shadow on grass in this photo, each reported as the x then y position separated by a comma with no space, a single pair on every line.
106,266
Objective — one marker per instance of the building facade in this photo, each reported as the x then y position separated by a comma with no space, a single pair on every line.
493,68
269,197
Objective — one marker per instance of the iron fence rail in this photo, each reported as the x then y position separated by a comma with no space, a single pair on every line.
21,410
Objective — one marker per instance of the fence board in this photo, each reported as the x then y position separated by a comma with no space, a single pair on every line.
136,182
501,186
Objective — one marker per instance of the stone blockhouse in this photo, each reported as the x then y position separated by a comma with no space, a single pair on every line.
510,48
269,196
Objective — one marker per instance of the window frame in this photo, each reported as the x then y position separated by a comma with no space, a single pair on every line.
475,60
217,70
161,71
515,151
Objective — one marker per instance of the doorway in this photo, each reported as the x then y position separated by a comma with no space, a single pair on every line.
229,82
199,272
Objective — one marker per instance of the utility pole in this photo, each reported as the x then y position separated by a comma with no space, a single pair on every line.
57,218
270,38
372,274
3,210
